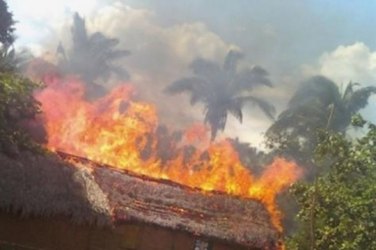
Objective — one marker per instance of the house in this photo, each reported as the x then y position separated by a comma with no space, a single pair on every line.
48,203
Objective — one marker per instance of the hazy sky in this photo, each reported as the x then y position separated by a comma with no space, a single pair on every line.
291,39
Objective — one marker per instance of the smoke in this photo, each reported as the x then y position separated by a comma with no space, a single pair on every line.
164,38
161,52
160,55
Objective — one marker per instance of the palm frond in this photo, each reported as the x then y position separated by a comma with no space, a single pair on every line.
247,79
192,84
98,39
11,61
218,88
265,106
231,61
319,88
195,97
359,98
236,110
117,54
120,72
205,69
349,90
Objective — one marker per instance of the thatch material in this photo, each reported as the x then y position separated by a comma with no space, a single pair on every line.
37,185
90,192
167,204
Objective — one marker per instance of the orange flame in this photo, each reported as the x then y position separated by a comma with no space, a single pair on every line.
117,131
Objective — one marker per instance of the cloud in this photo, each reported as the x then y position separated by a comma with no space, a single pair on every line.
160,55
355,62
157,49
40,19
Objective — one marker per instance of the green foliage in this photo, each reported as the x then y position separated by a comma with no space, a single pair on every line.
12,61
343,216
6,25
16,105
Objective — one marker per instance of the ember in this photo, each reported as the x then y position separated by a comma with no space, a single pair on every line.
115,130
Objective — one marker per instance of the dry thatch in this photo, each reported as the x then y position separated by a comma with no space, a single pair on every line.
37,185
89,192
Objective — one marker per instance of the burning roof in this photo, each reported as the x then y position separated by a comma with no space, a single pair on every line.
216,195
120,131
47,186
165,203
93,193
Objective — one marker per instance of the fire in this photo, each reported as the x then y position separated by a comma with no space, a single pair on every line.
121,132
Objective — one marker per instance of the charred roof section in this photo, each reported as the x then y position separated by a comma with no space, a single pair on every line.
91,193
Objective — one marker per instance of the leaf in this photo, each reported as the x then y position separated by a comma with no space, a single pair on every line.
218,88
205,69
247,79
266,107
231,61
359,98
193,84
236,109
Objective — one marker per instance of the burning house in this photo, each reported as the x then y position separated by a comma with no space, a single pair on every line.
47,203
113,189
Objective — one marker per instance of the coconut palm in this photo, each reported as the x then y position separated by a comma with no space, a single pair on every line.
92,56
317,104
223,89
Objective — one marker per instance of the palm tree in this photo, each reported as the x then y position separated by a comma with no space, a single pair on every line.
92,56
12,61
317,104
223,89
6,25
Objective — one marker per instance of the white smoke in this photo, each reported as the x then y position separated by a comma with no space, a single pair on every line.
161,53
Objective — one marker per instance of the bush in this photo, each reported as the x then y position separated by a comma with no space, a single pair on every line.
17,105
338,211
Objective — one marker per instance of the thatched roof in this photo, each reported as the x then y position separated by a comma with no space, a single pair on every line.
88,192
44,185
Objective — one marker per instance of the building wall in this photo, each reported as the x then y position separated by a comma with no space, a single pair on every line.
58,234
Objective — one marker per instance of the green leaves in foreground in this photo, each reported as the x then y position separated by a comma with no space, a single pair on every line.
344,211
17,105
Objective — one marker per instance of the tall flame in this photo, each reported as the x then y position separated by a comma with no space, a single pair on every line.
118,131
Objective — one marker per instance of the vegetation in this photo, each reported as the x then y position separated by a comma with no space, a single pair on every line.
317,104
6,25
337,205
223,90
17,104
92,56
336,202
343,214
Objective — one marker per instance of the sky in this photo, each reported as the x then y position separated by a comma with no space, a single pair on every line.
292,40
